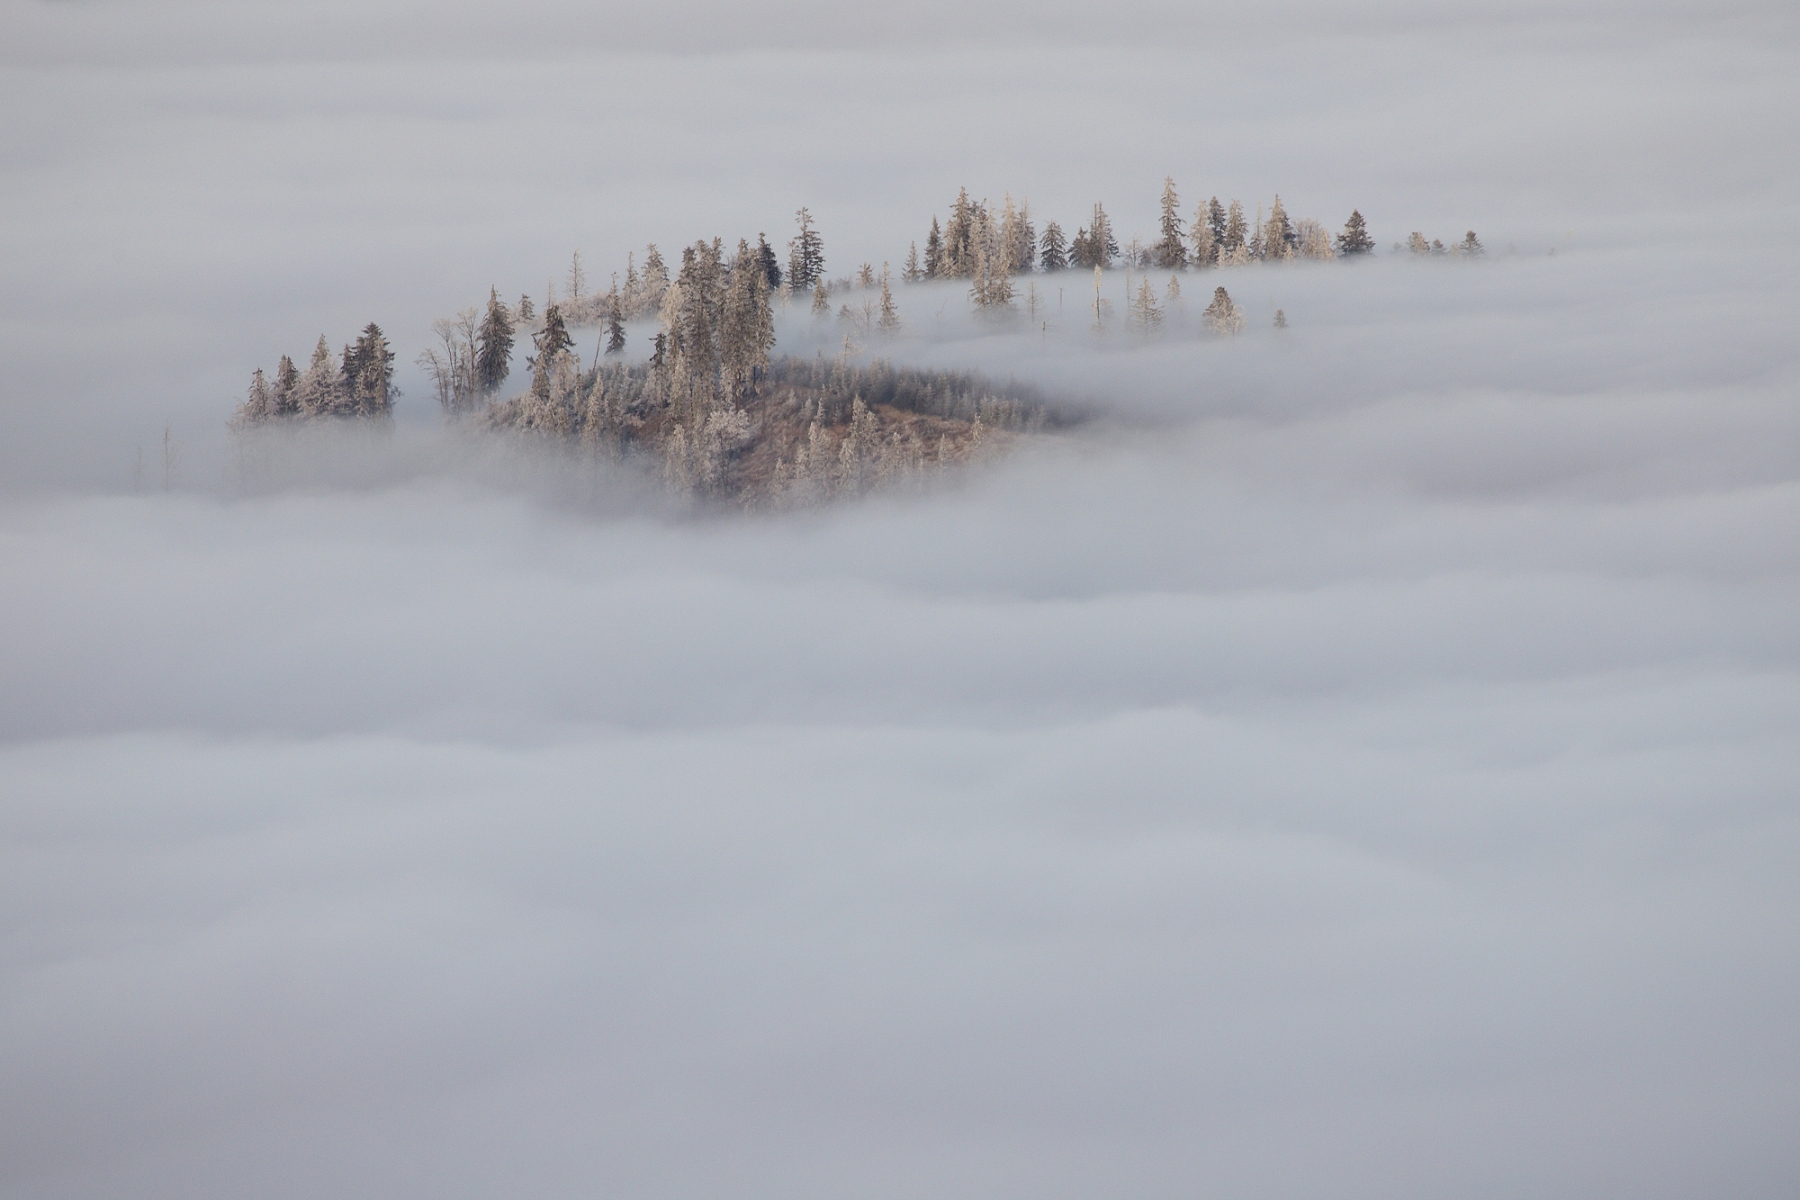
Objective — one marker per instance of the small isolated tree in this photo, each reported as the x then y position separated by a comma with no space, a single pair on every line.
806,253
890,314
1280,318
526,312
1355,239
1174,292
494,345
821,301
1054,249
1223,316
865,275
1470,246
911,274
1146,314
1170,252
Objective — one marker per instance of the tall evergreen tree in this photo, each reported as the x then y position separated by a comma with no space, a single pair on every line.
912,274
1146,314
1171,252
1222,315
806,253
771,269
1081,250
1053,249
958,258
934,251
1279,239
1216,220
369,374
287,378
890,313
494,345
1355,239
318,391
1101,242
1234,245
577,278
747,325
615,324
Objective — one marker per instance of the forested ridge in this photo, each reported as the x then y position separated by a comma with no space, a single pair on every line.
725,418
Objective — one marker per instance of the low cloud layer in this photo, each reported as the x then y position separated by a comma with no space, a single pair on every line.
1356,762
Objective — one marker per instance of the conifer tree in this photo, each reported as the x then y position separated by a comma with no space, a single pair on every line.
1278,237
1206,243
577,279
615,324
890,314
1055,251
1171,252
1223,316
1234,245
526,310
369,374
767,262
318,391
806,253
1216,220
1281,318
653,282
911,273
821,301
258,406
1470,246
553,338
934,251
287,379
747,329
958,258
1080,250
1022,253
1416,243
1101,242
493,355
1146,314
865,275
1355,239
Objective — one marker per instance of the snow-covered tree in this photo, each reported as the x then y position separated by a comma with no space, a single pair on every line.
493,354
806,253
1234,245
890,314
747,331
615,324
1054,249
1223,316
1470,246
934,251
1146,314
1171,251
1355,239
1278,239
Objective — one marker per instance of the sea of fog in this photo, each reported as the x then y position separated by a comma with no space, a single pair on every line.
1357,760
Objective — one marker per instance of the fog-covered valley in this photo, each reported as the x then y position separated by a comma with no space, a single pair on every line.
1351,760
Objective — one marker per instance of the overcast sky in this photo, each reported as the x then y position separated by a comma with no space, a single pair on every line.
1358,762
